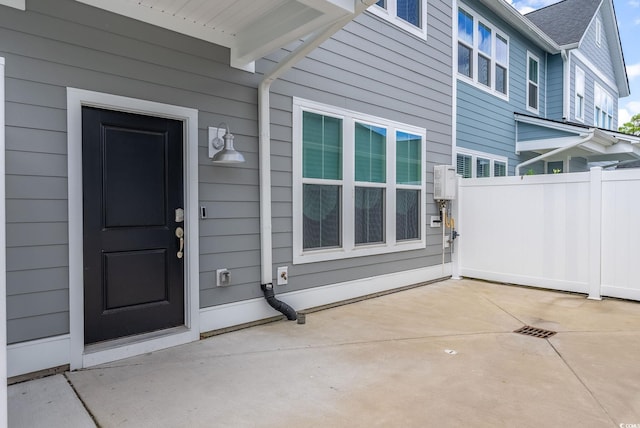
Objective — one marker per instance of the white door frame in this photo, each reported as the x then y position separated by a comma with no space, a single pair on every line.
136,345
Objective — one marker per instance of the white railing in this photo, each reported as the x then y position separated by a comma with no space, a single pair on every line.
574,232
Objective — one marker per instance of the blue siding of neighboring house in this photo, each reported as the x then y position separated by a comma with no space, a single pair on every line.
529,132
600,58
485,122
554,86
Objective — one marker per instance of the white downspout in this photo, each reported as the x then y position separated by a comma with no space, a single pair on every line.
554,152
264,123
566,83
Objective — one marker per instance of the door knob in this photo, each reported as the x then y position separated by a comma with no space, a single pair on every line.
180,236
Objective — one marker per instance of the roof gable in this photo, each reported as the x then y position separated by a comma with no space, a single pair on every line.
566,21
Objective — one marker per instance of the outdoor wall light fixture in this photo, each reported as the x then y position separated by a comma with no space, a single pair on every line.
221,149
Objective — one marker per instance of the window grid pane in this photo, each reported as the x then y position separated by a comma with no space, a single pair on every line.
465,27
533,96
407,214
408,158
484,39
483,167
499,169
463,166
322,146
465,65
369,215
533,70
484,70
409,10
321,216
501,79
370,156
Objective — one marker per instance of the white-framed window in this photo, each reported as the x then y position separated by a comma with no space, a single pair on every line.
483,53
358,184
579,103
598,32
473,164
555,167
410,15
533,78
603,108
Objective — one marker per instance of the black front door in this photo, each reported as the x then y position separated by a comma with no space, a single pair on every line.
132,188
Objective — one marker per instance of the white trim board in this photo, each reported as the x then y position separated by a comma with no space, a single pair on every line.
76,99
36,355
3,260
218,317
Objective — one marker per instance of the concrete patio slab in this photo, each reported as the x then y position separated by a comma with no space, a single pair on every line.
438,355
47,402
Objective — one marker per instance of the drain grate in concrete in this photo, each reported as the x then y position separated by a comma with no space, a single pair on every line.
527,330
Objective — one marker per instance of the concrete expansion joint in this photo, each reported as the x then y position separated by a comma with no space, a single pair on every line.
84,405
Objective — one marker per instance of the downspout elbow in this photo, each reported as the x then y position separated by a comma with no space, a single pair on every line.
276,304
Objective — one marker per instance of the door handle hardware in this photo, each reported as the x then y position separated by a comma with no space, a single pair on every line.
180,236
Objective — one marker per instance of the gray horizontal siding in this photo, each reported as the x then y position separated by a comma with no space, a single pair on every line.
371,66
51,47
374,68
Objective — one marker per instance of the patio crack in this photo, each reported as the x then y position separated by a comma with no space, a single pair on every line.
504,310
84,405
582,382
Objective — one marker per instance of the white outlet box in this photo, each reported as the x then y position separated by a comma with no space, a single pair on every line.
435,221
223,277
283,275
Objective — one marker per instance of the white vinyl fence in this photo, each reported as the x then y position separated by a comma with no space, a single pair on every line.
574,232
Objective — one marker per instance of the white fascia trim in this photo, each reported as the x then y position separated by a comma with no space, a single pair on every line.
595,70
232,314
17,4
546,123
76,99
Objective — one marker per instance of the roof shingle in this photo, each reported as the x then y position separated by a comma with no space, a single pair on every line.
566,21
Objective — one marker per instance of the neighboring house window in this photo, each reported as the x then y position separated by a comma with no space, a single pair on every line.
407,14
579,107
464,167
359,186
598,33
555,167
483,53
603,108
472,164
532,83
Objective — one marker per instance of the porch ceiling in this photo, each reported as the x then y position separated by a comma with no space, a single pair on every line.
250,28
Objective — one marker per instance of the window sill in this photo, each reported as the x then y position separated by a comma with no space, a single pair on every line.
315,256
